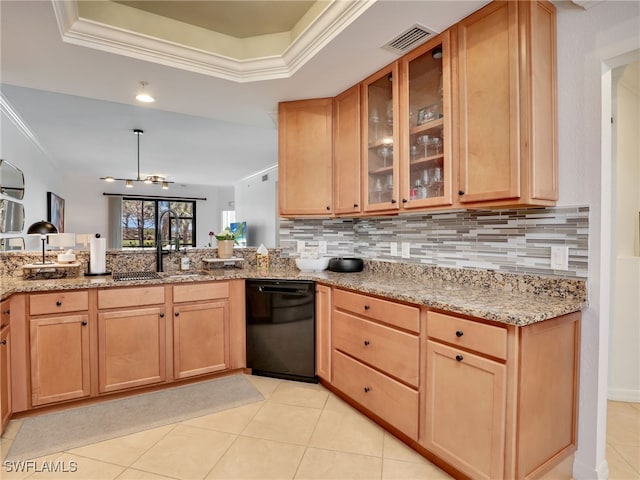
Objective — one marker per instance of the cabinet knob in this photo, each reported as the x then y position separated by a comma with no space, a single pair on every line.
355,205
404,200
393,200
367,389
460,192
58,303
6,312
459,333
3,342
177,314
367,307
84,323
366,343
162,315
459,358
328,208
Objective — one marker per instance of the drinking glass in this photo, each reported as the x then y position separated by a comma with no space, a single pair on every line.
414,152
424,140
437,143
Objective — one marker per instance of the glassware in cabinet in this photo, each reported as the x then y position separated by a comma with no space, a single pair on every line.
380,107
425,138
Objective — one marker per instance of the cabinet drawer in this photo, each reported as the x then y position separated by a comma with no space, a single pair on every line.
200,291
486,339
390,350
58,302
390,400
396,314
5,313
130,297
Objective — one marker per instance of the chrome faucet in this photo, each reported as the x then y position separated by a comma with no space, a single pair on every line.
159,251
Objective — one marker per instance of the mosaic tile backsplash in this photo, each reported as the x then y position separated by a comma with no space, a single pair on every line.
513,241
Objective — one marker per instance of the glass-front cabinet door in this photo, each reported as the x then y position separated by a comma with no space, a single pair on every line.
425,142
380,140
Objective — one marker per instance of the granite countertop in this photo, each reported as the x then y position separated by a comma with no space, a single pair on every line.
509,307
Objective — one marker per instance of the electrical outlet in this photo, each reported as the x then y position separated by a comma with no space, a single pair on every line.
406,250
560,257
393,249
300,246
322,246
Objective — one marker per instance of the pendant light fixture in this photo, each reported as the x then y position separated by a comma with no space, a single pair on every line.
143,96
149,179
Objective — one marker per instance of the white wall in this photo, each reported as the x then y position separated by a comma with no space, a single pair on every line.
40,171
587,39
624,356
256,203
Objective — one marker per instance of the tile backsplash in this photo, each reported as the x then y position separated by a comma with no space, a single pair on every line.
514,240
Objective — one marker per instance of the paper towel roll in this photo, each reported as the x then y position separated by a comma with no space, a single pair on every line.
98,254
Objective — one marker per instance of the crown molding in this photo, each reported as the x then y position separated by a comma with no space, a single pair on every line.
88,33
7,109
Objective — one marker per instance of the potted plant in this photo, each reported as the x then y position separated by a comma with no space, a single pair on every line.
226,239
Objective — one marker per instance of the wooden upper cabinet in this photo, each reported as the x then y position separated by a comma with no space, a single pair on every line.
346,152
305,157
426,147
380,152
507,105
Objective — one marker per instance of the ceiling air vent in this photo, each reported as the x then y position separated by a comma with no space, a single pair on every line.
409,39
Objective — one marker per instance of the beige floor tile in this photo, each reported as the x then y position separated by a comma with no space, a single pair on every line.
5,446
265,385
283,423
348,432
630,454
299,394
332,465
123,450
399,470
85,468
397,450
132,474
336,404
185,452
619,469
233,420
15,470
250,458
11,430
623,424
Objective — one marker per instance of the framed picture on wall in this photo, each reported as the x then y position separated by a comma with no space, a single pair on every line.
55,211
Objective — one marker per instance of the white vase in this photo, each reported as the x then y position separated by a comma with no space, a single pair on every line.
225,248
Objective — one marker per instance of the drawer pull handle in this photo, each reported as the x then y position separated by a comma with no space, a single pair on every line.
367,389
459,358
58,303
367,307
3,342
366,343
84,323
459,333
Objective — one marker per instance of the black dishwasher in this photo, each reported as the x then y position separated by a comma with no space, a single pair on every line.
281,329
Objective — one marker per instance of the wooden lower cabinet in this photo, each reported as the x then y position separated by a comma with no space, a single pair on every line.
131,348
465,410
5,377
323,332
59,358
200,338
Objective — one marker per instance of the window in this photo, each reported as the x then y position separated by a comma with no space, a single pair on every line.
140,219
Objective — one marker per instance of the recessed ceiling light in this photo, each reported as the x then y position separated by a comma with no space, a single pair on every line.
143,96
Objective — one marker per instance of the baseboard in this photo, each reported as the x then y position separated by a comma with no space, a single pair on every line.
623,395
583,471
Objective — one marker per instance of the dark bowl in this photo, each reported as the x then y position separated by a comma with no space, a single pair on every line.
345,264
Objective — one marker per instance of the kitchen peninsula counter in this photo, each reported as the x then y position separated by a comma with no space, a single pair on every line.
522,301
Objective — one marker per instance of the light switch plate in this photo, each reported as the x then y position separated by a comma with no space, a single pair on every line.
393,249
406,250
322,246
560,257
301,246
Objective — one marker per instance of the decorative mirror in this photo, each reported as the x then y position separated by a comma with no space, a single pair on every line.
11,217
11,244
11,180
